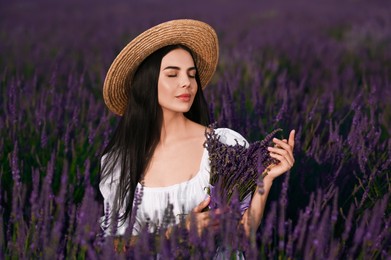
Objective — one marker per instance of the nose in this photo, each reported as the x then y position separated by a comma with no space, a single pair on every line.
185,82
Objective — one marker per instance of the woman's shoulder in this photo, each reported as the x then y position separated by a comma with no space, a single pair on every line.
230,137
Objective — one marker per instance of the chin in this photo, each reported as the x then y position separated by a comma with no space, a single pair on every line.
176,110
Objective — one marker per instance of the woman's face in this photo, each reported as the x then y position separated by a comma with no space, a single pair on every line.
177,85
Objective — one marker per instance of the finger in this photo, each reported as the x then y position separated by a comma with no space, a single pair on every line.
217,212
281,144
214,223
205,221
291,141
203,204
284,145
215,227
284,160
281,151
284,140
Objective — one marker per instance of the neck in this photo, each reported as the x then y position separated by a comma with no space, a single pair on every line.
173,126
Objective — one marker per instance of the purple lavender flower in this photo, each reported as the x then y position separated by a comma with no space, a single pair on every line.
235,168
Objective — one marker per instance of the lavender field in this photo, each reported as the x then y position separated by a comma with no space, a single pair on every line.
320,67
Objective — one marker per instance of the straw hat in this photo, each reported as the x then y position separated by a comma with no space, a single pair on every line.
197,36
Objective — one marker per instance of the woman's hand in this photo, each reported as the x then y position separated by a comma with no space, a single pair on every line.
198,220
283,152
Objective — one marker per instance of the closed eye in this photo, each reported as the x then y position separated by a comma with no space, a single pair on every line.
191,72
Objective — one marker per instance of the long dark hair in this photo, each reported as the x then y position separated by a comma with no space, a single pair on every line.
138,132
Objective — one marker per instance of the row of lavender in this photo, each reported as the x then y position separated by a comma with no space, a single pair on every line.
322,69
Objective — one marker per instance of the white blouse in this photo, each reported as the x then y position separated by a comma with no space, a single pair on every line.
183,197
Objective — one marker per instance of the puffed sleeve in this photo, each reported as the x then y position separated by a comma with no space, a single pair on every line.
230,137
108,188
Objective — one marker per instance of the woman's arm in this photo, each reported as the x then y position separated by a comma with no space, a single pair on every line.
283,152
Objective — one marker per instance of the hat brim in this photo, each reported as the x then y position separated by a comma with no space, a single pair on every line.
196,35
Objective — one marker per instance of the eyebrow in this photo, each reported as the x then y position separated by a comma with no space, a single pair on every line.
177,68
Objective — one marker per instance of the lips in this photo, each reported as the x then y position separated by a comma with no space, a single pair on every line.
184,97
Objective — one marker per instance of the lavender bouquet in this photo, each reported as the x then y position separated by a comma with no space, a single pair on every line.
236,169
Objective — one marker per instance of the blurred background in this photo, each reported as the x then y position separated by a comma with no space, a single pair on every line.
320,67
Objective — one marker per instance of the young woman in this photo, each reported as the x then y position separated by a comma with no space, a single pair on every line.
156,158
